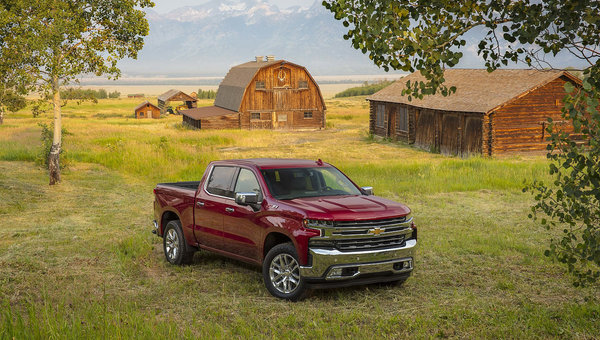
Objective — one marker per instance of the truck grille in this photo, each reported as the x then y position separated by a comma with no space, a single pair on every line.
370,243
371,223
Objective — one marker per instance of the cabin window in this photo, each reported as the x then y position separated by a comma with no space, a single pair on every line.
255,115
302,84
282,117
260,85
380,115
308,114
402,119
220,180
142,114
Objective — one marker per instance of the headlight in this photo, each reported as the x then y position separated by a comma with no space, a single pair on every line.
317,225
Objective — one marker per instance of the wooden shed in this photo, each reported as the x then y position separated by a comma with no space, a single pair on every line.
265,94
147,110
490,113
189,102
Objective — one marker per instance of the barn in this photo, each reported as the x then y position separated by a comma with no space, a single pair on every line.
147,110
504,111
176,95
263,94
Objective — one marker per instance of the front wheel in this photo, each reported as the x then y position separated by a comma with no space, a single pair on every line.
281,273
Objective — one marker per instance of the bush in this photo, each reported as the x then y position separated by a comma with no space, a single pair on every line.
46,138
88,94
114,95
364,90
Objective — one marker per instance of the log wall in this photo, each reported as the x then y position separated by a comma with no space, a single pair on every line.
142,112
520,125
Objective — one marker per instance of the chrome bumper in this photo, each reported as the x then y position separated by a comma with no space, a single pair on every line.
336,265
155,227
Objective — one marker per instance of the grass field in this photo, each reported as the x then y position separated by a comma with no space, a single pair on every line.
78,260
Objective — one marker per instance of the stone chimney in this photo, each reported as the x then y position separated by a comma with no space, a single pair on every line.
270,58
259,58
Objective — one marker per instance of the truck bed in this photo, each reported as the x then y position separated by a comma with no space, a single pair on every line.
182,185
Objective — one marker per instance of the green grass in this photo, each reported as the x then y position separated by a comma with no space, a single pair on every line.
78,260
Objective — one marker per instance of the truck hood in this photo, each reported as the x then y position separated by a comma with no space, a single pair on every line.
348,208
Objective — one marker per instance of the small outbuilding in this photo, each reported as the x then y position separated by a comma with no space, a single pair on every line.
147,110
189,102
263,94
490,113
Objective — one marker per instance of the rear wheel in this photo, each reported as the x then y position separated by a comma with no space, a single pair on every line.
281,273
176,249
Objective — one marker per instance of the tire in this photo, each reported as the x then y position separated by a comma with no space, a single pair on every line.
281,273
176,249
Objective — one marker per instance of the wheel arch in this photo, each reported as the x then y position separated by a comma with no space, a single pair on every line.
166,217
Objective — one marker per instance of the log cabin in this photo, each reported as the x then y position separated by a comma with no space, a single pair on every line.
189,102
505,111
263,94
147,110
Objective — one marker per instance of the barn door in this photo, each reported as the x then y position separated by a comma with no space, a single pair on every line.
450,134
425,130
282,98
472,135
392,123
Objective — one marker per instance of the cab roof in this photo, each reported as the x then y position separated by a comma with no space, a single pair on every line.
271,163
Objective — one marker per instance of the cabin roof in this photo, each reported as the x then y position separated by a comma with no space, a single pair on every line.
232,88
206,111
270,163
144,104
476,89
165,97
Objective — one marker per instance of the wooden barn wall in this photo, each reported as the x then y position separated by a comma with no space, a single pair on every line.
192,122
221,122
282,97
520,125
448,132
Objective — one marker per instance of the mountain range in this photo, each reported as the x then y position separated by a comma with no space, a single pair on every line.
207,40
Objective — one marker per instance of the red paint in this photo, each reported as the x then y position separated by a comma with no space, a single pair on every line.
241,233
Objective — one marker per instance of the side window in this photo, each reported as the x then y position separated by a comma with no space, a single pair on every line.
247,182
260,85
380,115
220,179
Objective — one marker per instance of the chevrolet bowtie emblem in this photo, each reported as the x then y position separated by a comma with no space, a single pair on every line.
376,231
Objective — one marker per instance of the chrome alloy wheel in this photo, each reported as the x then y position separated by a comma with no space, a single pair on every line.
172,244
284,272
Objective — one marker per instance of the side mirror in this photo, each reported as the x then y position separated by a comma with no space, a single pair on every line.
367,191
246,198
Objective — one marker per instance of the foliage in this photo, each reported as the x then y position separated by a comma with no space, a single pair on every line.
574,200
58,40
88,94
208,94
364,90
428,35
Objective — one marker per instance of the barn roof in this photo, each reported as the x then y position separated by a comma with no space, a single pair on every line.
476,89
144,104
207,111
232,88
165,97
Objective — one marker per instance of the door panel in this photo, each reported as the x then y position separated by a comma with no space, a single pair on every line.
449,143
472,135
425,131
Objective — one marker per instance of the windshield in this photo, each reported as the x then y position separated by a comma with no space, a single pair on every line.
286,184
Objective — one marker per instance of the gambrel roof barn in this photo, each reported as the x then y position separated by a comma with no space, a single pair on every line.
264,94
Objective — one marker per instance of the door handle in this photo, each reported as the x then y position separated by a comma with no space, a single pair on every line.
228,209
200,204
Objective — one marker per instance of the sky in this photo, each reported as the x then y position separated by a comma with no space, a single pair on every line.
164,6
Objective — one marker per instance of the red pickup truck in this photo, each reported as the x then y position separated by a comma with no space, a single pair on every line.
305,222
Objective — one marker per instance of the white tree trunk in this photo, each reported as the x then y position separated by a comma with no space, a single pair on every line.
54,157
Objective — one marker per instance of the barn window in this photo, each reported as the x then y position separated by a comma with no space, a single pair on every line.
260,84
142,114
308,114
255,115
402,121
302,84
282,117
380,115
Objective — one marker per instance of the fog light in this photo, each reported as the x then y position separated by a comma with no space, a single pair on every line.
335,272
407,264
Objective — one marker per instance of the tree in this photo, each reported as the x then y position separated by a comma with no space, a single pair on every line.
14,80
428,36
64,39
